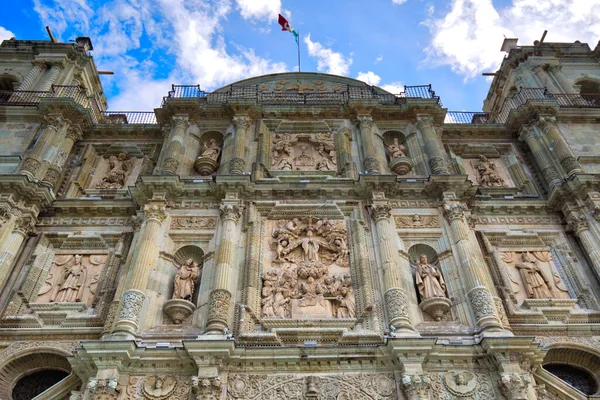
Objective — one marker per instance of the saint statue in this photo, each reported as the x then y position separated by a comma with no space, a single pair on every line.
396,149
120,167
185,280
73,283
488,174
346,307
429,280
211,150
536,284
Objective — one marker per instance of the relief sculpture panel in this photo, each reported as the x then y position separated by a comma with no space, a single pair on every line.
303,152
306,270
73,278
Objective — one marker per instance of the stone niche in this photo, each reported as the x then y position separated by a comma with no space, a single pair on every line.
306,270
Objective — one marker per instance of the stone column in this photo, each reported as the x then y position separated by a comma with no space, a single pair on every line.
565,84
433,145
220,296
176,145
541,72
51,77
58,162
370,163
146,257
480,296
237,165
343,151
31,165
10,246
416,386
581,228
396,296
32,76
560,147
549,173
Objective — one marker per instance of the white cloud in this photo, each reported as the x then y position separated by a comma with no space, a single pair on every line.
259,9
5,34
399,1
328,60
469,36
378,59
369,77
188,31
394,87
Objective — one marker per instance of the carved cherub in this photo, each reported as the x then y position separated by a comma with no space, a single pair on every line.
211,149
396,149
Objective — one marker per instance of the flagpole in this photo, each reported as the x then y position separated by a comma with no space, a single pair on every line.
298,51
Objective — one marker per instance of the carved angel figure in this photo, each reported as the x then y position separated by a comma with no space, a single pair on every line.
460,383
488,174
185,280
327,161
159,387
346,307
396,149
429,280
71,288
310,245
536,284
211,149
120,167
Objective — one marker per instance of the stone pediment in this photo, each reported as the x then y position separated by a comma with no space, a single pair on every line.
301,82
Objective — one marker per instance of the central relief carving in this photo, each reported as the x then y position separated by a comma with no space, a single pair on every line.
307,274
303,152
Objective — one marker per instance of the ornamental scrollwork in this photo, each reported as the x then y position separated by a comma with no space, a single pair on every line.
482,302
218,309
132,305
454,211
397,303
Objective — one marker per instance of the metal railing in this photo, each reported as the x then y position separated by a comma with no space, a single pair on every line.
339,97
129,117
466,117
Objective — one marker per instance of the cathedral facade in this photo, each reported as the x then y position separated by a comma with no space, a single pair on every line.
300,236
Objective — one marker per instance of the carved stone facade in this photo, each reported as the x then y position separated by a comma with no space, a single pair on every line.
300,236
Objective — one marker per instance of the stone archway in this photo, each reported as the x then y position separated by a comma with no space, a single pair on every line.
577,368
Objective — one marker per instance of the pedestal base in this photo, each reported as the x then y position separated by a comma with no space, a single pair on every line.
401,165
436,307
205,166
178,310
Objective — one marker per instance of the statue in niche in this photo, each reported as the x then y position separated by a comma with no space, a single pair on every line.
185,280
537,286
72,284
307,278
396,149
429,280
120,167
211,149
488,173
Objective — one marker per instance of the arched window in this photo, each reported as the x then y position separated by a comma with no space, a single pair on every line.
33,384
577,377
590,91
7,86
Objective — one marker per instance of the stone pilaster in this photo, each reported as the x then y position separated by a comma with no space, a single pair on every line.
396,296
145,259
580,226
175,145
51,77
370,162
220,296
344,155
565,84
10,245
32,165
479,295
237,164
416,386
551,176
54,170
560,148
433,145
541,71
32,76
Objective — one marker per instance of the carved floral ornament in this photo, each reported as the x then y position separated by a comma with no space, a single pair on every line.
303,152
308,274
193,223
417,221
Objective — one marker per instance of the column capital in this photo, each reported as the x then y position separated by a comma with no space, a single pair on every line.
39,63
155,211
241,121
365,121
180,121
416,386
230,212
424,120
74,132
454,210
527,132
24,225
577,223
381,211
54,121
546,121
514,385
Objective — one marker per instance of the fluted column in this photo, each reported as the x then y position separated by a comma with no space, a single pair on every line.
542,73
581,228
220,296
53,127
564,82
549,173
237,165
11,244
480,296
433,145
175,146
396,296
51,77
146,257
370,163
59,159
560,148
32,76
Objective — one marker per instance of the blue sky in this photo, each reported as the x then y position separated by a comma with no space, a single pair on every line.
150,44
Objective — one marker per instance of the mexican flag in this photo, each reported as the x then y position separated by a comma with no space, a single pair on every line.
286,26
